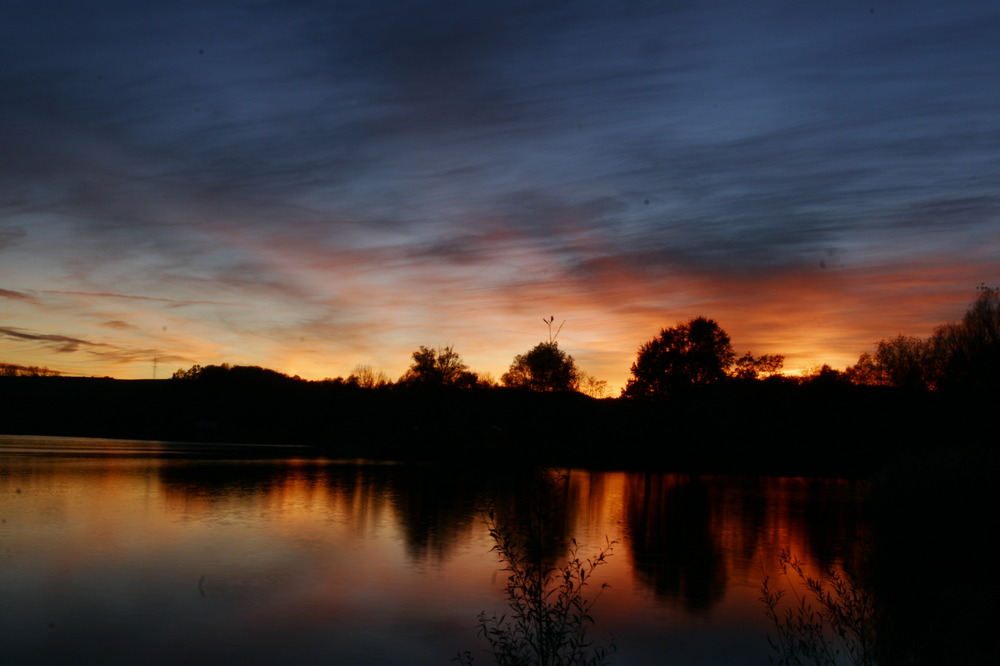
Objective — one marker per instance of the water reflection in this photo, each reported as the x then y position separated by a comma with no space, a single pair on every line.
153,553
549,617
676,539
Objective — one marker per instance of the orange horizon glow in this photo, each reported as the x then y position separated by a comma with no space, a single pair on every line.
428,187
812,317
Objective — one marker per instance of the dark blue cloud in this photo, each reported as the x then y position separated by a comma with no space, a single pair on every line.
196,147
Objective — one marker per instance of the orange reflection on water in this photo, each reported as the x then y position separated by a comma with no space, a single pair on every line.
694,540
265,558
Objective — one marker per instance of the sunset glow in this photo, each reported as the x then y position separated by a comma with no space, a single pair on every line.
309,188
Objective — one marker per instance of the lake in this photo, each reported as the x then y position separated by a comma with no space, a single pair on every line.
125,552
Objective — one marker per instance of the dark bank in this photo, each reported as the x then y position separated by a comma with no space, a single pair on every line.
776,427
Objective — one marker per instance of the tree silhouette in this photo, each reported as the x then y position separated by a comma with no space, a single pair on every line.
962,355
749,366
365,376
904,361
690,354
434,368
14,370
543,368
245,375
967,354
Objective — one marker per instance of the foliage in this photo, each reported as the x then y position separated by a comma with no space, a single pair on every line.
839,627
549,614
967,354
866,372
904,361
543,368
233,374
824,374
194,372
435,368
749,366
958,355
689,354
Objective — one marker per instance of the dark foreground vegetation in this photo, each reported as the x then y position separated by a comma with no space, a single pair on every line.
549,601
906,594
690,404
774,426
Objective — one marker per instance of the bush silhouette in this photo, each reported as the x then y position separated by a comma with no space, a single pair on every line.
543,368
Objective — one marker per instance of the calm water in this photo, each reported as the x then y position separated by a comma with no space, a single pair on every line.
119,552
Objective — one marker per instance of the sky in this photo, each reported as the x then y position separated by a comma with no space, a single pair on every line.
309,186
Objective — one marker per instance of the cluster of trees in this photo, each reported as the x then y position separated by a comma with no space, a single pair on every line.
699,352
696,353
234,374
690,354
434,368
545,367
13,370
964,355
959,355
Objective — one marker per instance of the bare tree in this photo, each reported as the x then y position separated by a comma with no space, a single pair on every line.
364,376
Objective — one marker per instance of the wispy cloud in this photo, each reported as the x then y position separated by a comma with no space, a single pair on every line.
329,185
60,343
119,325
170,301
18,295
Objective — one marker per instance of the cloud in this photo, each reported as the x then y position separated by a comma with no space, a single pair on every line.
18,295
8,237
59,343
99,354
171,301
119,325
356,179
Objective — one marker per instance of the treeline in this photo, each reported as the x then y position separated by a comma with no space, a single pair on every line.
13,370
691,403
766,426
544,368
957,356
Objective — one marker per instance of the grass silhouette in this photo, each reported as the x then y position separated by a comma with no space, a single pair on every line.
831,621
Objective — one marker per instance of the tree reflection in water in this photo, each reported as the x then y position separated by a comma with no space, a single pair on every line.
675,547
